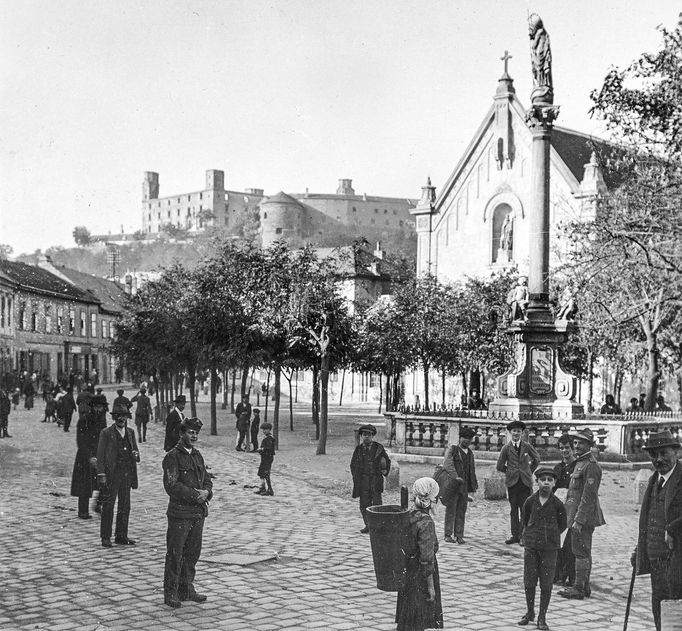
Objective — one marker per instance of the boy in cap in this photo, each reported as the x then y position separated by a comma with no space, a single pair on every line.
659,545
267,455
517,460
543,518
189,489
583,512
369,466
459,464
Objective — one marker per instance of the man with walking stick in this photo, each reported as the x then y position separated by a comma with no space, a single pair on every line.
659,545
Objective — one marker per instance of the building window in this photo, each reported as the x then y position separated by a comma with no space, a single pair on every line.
385,211
227,220
372,221
376,211
48,318
373,382
93,325
104,330
72,321
278,231
401,223
169,213
22,316
82,324
60,319
265,215
2,312
201,196
355,209
112,330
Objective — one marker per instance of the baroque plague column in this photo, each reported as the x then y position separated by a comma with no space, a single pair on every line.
537,384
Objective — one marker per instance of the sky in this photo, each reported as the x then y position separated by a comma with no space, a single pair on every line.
282,95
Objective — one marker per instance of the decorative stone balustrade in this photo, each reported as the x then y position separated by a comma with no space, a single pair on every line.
618,437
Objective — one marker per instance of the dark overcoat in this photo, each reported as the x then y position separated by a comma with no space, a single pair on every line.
84,477
107,453
173,421
380,460
673,519
461,470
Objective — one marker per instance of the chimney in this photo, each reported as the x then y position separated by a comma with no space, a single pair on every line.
345,188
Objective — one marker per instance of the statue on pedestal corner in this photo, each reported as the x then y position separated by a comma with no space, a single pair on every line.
517,299
568,307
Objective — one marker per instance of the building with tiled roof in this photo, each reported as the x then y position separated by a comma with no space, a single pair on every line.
56,321
478,222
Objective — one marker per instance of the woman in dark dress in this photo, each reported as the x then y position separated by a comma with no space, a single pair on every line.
84,478
419,603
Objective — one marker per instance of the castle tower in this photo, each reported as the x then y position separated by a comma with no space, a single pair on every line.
215,180
281,217
345,188
150,186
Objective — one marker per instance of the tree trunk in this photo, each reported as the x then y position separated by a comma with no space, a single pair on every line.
388,396
343,379
465,390
226,381
442,403
245,378
590,380
234,378
324,405
291,408
426,386
316,401
214,411
191,378
381,392
267,394
653,373
275,412
618,384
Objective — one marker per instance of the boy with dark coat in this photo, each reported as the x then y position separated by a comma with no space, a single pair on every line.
544,519
369,466
517,460
267,455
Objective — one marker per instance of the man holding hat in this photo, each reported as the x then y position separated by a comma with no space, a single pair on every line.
173,421
461,469
659,545
190,489
117,458
518,459
583,512
369,466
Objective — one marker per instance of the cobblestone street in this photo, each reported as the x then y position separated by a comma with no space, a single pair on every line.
55,574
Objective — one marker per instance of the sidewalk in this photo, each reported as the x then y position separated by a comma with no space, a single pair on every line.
56,575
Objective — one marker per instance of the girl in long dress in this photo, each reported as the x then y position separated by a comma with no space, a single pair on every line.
419,603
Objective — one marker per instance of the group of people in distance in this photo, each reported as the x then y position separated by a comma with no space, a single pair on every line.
555,525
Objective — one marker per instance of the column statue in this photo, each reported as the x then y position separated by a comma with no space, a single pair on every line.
541,61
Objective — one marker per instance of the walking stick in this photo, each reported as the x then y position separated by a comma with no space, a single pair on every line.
627,607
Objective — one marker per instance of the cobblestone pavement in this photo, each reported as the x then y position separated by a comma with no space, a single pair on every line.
55,574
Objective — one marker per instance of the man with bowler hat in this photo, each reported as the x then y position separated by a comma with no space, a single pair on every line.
461,469
369,466
190,489
583,512
518,459
117,458
173,421
659,545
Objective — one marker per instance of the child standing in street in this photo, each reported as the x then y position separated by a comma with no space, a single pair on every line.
255,426
543,519
267,454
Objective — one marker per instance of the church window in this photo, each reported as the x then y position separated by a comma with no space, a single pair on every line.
500,153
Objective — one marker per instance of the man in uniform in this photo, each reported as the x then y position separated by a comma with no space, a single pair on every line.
583,512
369,466
190,489
173,421
117,458
459,464
659,545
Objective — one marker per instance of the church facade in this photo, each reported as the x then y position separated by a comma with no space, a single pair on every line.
478,223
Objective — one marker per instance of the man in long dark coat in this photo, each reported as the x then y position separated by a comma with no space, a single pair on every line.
460,466
173,421
117,458
369,466
143,412
659,545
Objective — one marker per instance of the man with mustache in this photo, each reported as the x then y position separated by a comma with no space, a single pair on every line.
659,545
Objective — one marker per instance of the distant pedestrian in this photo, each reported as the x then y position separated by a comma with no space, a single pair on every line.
634,406
518,458
121,400
173,421
565,564
117,458
67,406
659,544
84,476
143,412
475,402
50,409
29,393
267,455
543,518
642,401
583,512
661,405
461,469
190,489
610,406
243,414
255,425
369,466
5,408
418,606
16,397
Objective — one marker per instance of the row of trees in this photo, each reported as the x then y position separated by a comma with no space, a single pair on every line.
283,310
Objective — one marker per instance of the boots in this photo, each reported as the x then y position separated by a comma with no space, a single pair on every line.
529,616
582,573
544,605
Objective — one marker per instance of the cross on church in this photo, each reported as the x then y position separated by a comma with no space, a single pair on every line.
506,57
